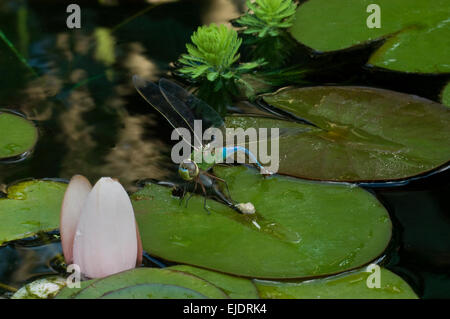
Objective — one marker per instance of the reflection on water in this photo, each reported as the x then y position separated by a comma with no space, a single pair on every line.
21,263
80,95
222,11
421,243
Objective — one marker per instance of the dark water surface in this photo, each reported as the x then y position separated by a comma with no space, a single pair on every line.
92,122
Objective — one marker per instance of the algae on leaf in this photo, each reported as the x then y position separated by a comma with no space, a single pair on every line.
43,288
300,229
416,32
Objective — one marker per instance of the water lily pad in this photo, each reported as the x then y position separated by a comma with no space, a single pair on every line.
445,95
30,207
362,134
17,135
352,285
153,291
70,292
144,282
416,31
235,287
301,228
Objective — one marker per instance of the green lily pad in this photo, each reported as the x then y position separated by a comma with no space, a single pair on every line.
153,291
352,285
66,292
234,287
445,95
30,207
144,282
416,31
17,136
362,134
301,228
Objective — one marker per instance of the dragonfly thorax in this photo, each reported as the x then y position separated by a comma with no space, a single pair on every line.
188,170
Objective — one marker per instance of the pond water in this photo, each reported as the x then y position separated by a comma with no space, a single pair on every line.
92,122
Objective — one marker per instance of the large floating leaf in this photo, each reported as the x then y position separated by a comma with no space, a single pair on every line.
362,134
17,135
151,283
301,228
235,287
352,285
66,292
416,31
153,291
30,207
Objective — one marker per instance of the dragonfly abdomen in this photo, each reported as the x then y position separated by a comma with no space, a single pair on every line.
228,151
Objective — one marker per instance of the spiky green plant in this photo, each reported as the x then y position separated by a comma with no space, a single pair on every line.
266,24
212,61
267,17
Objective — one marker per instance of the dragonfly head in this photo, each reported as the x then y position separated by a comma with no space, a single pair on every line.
188,170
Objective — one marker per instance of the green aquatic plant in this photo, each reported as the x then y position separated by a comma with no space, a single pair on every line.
212,61
266,25
268,17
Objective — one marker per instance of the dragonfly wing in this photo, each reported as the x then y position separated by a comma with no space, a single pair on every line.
175,97
153,95
198,108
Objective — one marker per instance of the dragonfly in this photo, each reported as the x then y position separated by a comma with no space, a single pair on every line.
181,108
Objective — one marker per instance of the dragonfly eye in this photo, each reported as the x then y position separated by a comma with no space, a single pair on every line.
188,170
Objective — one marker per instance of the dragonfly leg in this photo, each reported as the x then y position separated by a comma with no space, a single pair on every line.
191,194
205,195
223,181
182,195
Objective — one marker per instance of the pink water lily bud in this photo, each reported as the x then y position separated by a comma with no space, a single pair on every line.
98,228
74,198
